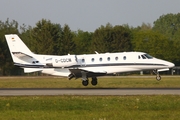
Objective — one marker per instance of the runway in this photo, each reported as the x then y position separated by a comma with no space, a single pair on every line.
87,91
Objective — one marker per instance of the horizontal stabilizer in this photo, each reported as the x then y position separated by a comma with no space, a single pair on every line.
20,54
30,70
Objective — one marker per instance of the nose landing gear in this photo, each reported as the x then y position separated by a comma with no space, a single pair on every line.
158,77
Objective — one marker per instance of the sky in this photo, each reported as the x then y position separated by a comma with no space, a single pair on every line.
87,15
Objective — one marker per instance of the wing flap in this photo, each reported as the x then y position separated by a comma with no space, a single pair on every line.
78,73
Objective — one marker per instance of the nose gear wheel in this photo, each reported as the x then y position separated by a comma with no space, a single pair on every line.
158,77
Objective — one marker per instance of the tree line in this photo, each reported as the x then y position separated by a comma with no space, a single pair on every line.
162,40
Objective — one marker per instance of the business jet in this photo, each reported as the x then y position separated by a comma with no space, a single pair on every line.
83,66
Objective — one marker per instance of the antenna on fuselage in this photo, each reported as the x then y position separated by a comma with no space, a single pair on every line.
96,52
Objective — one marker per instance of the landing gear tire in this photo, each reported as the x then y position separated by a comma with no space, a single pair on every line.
85,82
158,77
94,81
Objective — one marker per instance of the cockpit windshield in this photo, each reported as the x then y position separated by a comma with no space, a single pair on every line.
148,56
145,56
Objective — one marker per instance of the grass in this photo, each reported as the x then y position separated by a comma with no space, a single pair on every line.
103,82
161,107
90,108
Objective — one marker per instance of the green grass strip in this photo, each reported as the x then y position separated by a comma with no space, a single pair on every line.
103,82
160,107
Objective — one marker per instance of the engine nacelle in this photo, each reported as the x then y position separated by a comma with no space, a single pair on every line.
63,61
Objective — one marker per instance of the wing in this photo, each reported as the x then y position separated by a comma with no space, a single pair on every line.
77,73
29,70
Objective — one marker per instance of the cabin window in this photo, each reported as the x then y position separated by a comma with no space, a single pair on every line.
116,58
108,58
100,59
92,59
83,60
124,58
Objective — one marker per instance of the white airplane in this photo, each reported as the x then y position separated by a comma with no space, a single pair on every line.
83,66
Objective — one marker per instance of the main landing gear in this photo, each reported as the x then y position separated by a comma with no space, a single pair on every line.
85,81
158,77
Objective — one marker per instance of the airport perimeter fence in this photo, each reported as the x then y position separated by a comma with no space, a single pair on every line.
172,71
175,70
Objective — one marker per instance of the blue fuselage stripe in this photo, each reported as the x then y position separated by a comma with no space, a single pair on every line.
89,65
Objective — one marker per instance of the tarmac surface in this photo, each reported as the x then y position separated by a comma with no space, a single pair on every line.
87,91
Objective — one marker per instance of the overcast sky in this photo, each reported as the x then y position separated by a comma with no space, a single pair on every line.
87,15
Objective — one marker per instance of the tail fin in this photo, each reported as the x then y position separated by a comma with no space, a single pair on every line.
19,51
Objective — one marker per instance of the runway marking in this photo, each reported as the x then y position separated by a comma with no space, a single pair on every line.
87,91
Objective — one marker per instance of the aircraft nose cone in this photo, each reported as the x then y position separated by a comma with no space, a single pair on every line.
170,65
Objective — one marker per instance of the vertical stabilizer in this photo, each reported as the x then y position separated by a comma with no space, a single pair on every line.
18,49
